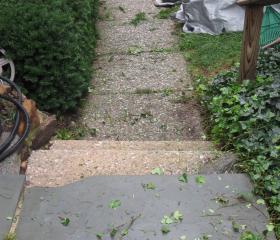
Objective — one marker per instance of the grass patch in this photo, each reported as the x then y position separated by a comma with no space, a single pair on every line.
138,18
165,13
208,54
75,133
143,91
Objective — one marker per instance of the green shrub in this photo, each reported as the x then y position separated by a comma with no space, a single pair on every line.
52,44
246,117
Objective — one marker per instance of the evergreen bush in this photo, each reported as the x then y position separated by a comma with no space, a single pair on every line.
52,44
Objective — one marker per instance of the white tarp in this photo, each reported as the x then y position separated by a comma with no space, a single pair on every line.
212,16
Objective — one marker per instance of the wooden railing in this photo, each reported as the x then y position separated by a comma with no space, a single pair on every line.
251,35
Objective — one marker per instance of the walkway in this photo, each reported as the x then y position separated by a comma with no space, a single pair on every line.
146,119
141,88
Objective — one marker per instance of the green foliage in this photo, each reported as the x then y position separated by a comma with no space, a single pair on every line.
208,54
52,44
246,117
75,133
139,17
165,13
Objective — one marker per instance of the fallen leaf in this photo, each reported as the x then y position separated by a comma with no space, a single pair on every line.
183,178
167,220
200,180
165,229
64,221
157,171
115,204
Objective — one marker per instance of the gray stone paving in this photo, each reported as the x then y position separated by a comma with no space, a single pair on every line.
10,190
86,205
141,89
11,166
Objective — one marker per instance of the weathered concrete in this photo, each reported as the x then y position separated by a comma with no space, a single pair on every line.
10,190
143,117
11,165
120,11
132,145
138,73
66,164
146,36
86,205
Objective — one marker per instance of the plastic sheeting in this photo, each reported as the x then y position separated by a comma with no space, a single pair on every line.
212,16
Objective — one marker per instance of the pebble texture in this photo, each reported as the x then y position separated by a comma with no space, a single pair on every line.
67,162
87,206
141,89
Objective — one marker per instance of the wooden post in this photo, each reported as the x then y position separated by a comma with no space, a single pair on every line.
250,48
251,35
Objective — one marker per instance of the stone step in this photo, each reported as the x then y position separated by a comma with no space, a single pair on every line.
69,161
132,145
210,210
11,187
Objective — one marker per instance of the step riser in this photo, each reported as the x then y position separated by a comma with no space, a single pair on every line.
133,145
60,167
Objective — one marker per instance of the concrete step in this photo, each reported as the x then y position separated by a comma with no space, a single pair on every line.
212,210
69,161
11,187
133,145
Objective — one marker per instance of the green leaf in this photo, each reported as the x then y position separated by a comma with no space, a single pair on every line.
157,171
165,229
200,180
270,227
149,186
167,220
99,235
65,221
113,232
183,178
260,202
115,204
177,216
124,232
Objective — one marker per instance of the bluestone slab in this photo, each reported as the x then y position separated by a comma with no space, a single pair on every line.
86,205
10,190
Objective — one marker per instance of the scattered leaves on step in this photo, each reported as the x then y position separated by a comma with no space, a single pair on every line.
260,202
99,235
183,178
165,229
177,216
115,204
222,200
113,232
157,171
149,186
124,232
200,180
167,220
64,221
